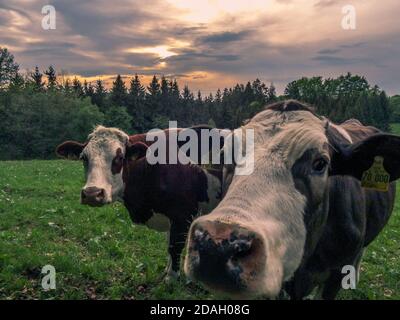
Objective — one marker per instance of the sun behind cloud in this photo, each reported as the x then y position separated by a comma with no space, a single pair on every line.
161,51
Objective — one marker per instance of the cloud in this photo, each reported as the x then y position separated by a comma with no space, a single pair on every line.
91,72
325,3
277,41
40,48
353,45
4,9
329,51
334,60
224,37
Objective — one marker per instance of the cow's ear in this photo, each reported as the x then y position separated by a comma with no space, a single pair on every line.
355,159
136,151
70,150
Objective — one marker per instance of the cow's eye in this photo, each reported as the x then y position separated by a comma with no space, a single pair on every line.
320,165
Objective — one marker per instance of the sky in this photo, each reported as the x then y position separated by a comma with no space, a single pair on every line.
207,44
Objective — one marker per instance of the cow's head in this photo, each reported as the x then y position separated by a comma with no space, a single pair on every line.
103,157
268,221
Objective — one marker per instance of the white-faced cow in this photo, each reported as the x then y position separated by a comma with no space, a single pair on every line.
165,197
301,215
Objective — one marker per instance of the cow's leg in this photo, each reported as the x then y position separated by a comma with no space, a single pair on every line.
301,286
168,268
332,286
176,244
169,272
334,282
357,264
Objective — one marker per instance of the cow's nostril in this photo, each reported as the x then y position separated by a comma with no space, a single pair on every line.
235,246
200,237
241,246
93,196
100,194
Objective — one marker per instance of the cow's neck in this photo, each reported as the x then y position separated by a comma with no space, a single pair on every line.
213,189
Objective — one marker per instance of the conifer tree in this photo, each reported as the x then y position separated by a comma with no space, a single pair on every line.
118,92
77,88
37,79
8,67
51,78
99,96
136,105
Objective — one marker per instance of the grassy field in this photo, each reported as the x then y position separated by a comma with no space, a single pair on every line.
99,254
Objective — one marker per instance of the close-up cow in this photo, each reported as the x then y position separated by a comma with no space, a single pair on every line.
165,197
301,215
219,150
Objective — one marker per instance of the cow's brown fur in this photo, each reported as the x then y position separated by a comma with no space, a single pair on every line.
174,190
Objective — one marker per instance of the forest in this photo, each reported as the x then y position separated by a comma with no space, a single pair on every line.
38,110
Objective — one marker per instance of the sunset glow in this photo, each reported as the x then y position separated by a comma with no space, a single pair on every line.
161,51
226,41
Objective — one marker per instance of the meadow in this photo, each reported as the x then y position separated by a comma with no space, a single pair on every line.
99,254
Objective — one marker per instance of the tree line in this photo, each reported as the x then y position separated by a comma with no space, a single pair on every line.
38,110
345,97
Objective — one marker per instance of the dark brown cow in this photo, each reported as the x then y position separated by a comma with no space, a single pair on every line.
302,215
165,197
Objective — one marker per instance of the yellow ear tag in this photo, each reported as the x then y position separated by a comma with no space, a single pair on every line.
376,177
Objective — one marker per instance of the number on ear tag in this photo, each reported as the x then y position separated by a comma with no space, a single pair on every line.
376,177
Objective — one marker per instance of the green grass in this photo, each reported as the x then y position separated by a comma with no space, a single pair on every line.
99,254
